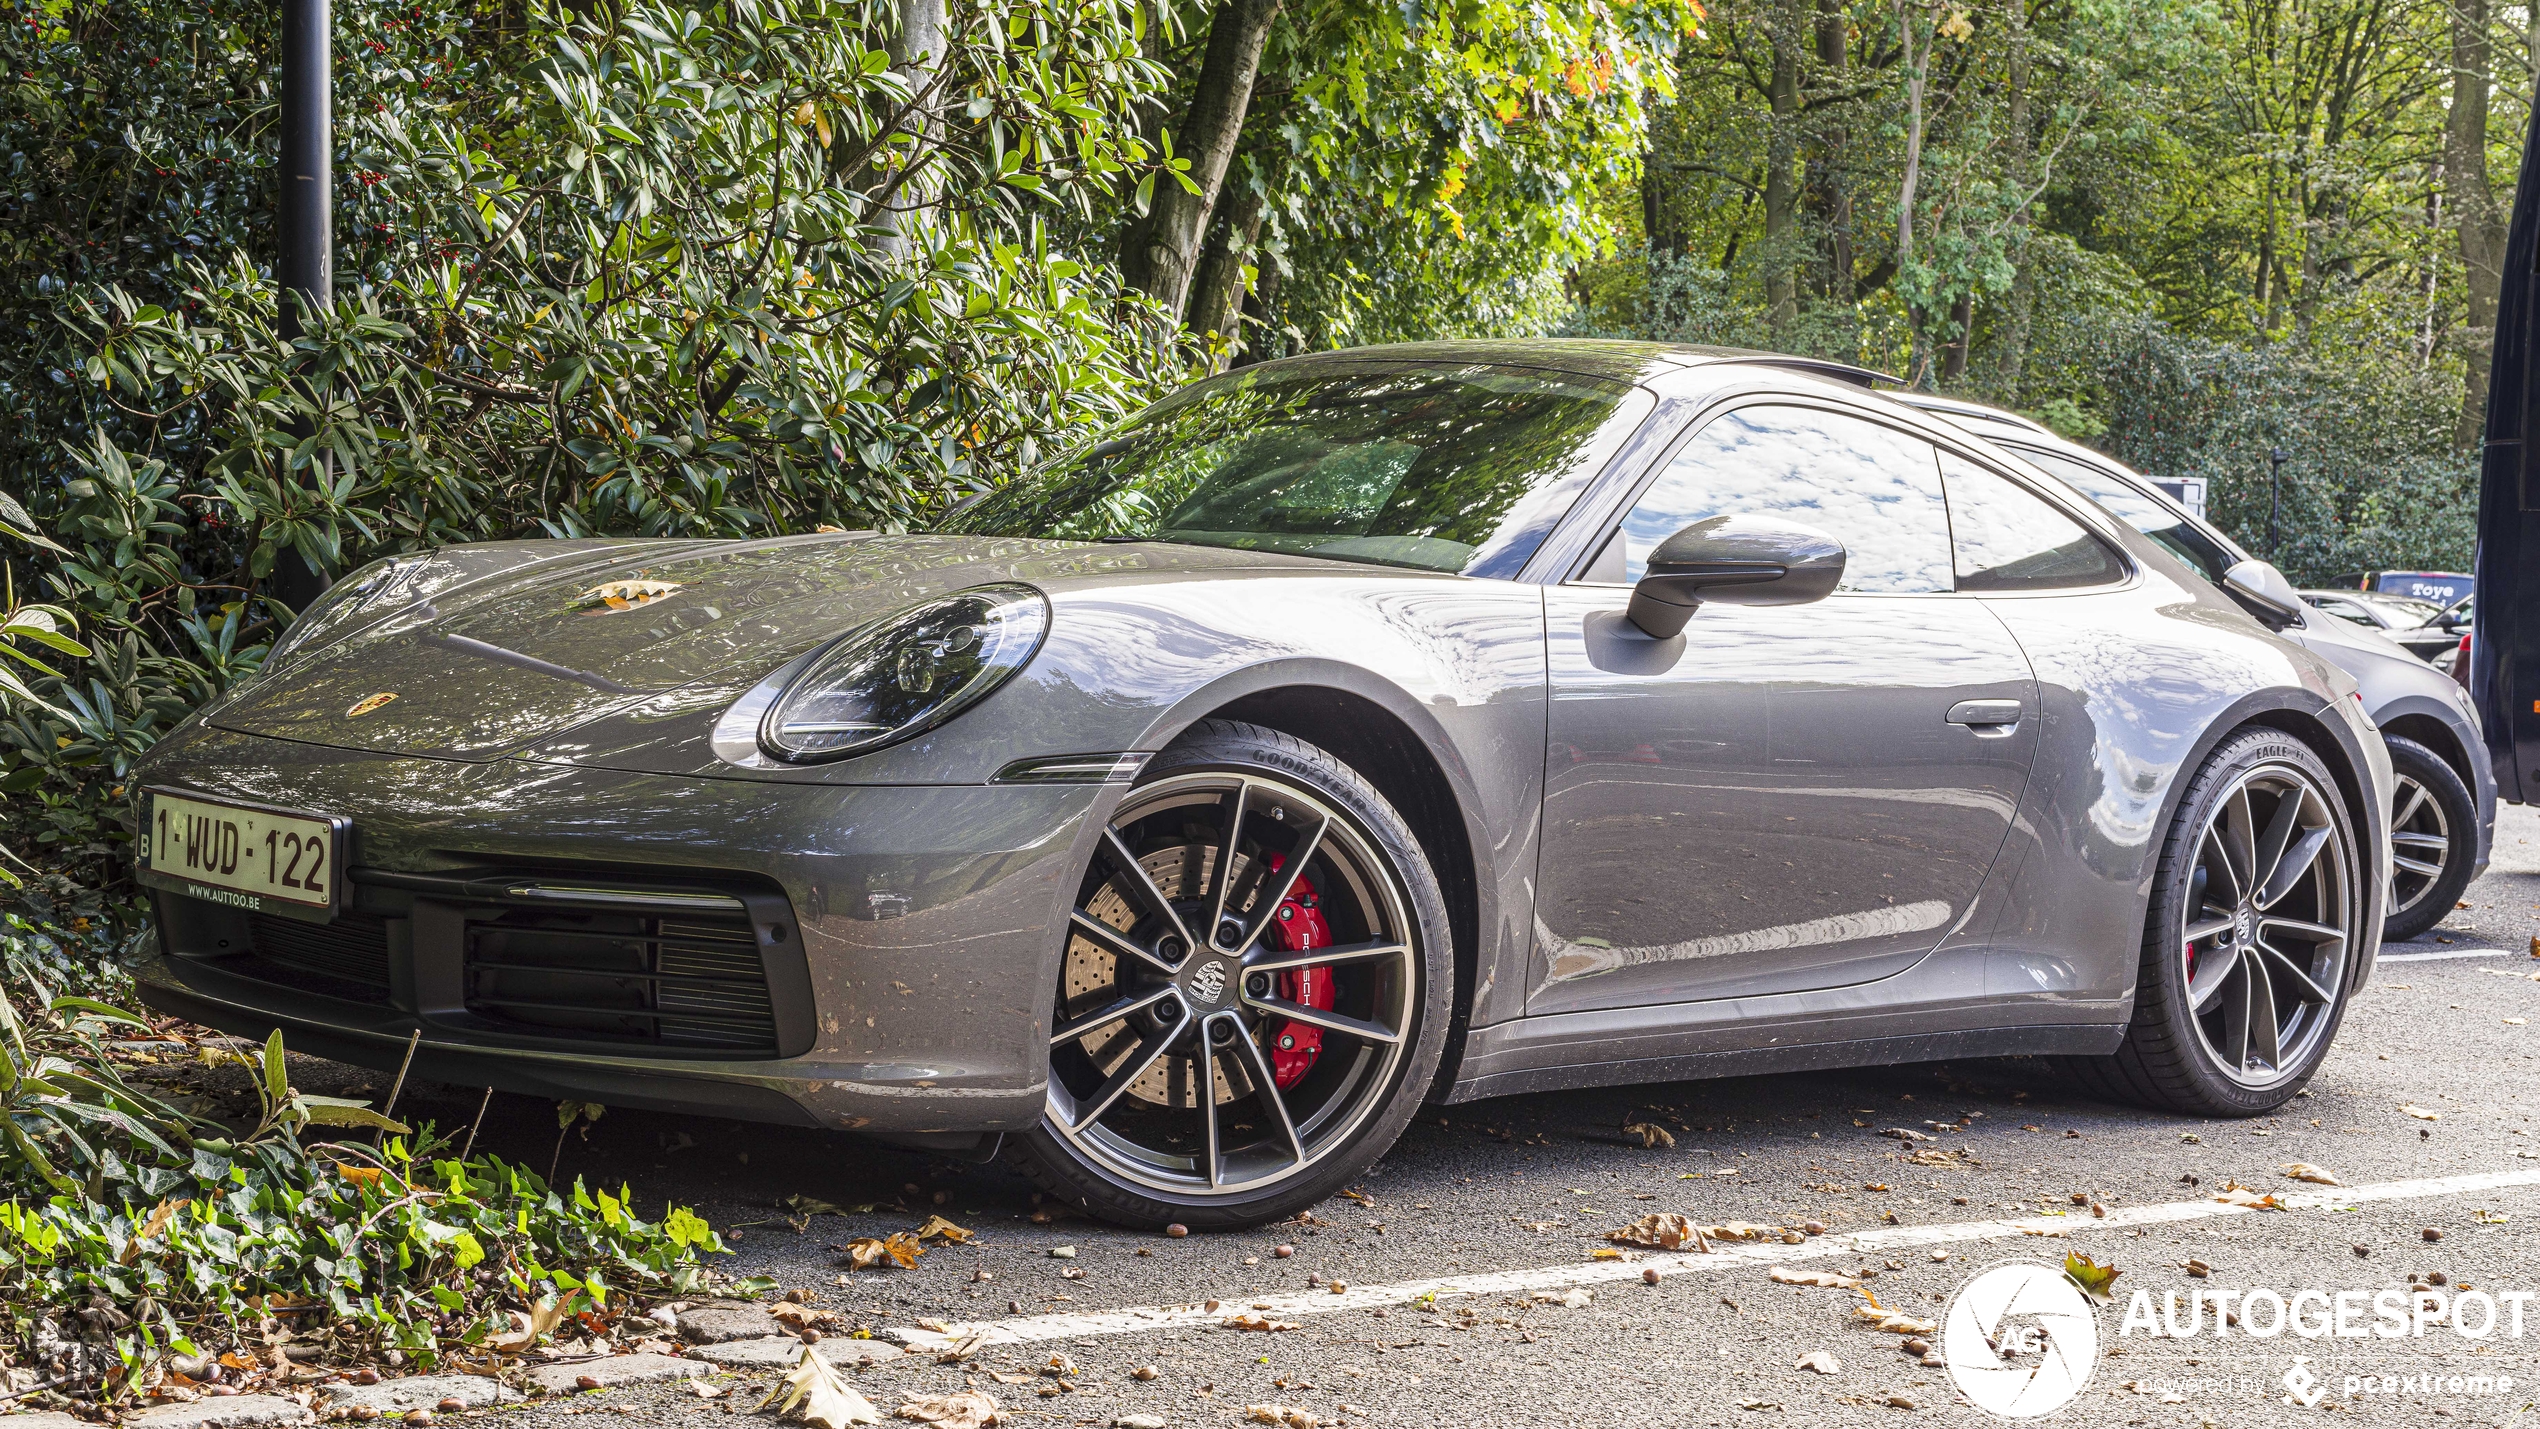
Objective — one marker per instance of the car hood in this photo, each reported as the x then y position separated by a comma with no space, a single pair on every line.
484,655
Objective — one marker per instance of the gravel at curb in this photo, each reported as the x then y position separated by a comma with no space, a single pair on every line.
423,1391
785,1350
228,1412
616,1370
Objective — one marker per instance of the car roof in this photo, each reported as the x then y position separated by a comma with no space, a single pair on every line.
1613,358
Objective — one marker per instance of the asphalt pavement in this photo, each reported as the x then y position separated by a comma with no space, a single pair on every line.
1472,1295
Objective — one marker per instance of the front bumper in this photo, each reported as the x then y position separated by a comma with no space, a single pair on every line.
926,923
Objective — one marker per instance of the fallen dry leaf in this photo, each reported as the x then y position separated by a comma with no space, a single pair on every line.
1663,1231
900,1247
812,1392
2305,1171
799,1318
1279,1414
1909,1134
1262,1323
703,1390
1742,1230
2420,1113
156,1222
963,1409
2235,1194
1574,1298
1824,1279
1649,1134
937,1226
2094,1278
1819,1361
624,595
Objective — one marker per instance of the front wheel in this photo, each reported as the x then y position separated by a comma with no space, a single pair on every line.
1252,997
2251,939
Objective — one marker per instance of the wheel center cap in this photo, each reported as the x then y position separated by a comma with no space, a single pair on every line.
2246,925
1209,979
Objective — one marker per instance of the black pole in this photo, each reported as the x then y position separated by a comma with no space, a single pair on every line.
2275,479
304,226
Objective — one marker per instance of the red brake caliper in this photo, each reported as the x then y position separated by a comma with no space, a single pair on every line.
1297,927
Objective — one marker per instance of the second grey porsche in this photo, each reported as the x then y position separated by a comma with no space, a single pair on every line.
1343,733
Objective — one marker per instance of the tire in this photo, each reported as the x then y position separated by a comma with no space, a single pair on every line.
1344,1047
2434,835
2241,988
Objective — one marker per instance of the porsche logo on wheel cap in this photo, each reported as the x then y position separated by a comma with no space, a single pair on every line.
1210,981
369,703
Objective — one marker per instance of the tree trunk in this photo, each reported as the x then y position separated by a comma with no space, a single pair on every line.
1654,229
1261,308
2476,215
1781,191
1217,295
1834,187
2011,364
1160,255
1919,360
1953,353
917,52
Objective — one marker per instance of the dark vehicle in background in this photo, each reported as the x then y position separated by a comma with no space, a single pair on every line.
2428,631
2504,648
2445,808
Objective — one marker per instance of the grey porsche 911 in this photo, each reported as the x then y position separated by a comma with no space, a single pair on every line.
1343,733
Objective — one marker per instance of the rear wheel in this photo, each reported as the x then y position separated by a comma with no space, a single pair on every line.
2433,837
1251,999
2249,944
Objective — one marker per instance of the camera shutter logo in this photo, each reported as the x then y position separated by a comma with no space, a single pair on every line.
2020,1340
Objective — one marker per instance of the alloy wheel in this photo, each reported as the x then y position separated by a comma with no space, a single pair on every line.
1238,988
2421,844
2267,928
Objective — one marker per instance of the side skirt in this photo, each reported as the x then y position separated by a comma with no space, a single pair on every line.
2082,1040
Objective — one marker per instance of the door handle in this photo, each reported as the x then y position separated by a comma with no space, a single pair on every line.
1985,714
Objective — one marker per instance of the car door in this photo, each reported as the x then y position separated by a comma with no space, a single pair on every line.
1780,798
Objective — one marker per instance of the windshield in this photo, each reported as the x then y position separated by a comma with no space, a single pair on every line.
2145,513
2402,610
1438,468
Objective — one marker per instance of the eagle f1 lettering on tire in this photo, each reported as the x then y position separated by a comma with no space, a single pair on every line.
2020,1340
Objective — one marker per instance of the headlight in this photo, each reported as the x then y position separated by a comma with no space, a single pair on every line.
332,611
906,673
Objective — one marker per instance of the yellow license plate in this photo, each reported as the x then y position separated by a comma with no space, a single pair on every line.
244,855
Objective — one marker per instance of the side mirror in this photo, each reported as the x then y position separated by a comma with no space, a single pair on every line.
2263,591
1737,560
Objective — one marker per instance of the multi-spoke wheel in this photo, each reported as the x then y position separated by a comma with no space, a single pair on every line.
2433,838
1245,1012
2250,944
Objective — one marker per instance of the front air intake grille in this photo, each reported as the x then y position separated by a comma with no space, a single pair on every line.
346,959
686,979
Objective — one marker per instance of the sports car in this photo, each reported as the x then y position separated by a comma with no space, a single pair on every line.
1340,734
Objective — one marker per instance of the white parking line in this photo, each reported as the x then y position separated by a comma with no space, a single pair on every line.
1723,1256
2438,957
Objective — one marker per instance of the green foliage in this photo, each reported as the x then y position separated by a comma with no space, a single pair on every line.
675,272
1436,167
2186,233
168,1232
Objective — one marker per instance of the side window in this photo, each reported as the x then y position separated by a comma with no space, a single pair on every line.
1876,491
2008,539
